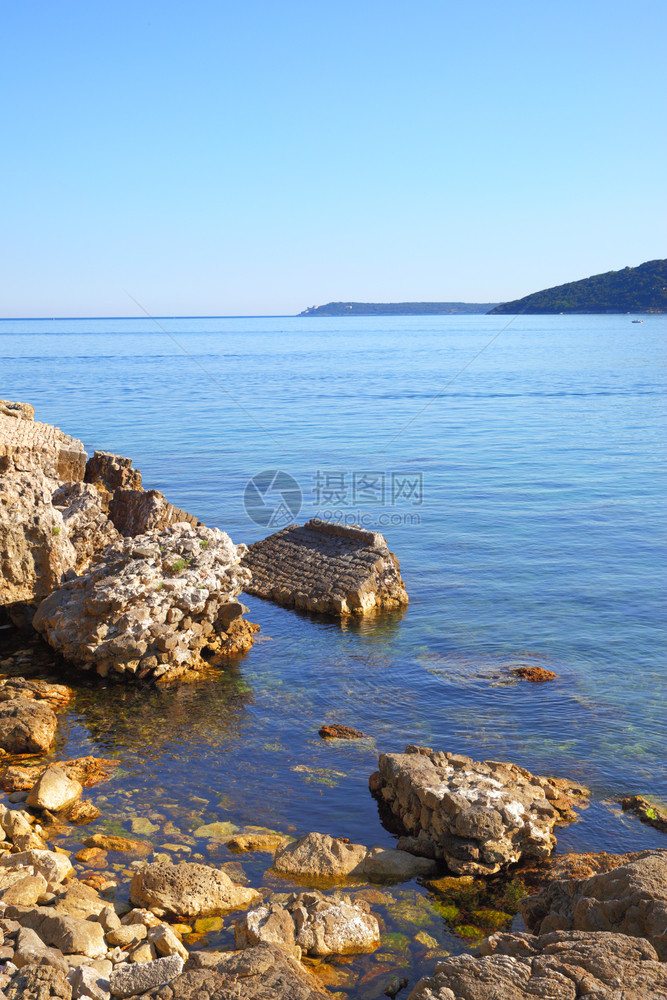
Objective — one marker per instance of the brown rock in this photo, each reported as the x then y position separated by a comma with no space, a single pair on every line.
55,696
319,856
336,732
54,791
538,675
83,812
26,726
109,842
113,472
39,982
648,812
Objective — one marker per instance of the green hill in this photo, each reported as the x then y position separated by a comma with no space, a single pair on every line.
398,308
640,289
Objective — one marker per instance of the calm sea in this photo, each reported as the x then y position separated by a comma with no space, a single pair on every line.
522,489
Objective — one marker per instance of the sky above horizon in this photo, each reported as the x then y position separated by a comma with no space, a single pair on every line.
221,158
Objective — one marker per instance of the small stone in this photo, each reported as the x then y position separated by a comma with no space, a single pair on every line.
129,934
336,732
538,675
54,791
166,942
144,952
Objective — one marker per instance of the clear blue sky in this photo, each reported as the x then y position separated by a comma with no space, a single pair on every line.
221,157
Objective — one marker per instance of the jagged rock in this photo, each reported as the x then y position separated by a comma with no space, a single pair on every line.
31,950
113,472
39,982
80,901
630,899
477,816
311,923
137,512
89,982
54,791
72,935
26,726
131,979
146,607
260,973
326,567
187,890
562,965
16,825
54,867
19,411
24,892
26,445
35,550
648,812
87,524
44,693
336,732
166,942
319,856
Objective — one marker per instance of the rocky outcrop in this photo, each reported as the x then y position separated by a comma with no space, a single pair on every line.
476,816
187,890
563,965
327,568
26,726
647,811
148,605
26,445
85,519
135,512
112,472
321,858
630,899
35,550
310,923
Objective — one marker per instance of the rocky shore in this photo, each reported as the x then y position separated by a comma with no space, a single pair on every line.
122,585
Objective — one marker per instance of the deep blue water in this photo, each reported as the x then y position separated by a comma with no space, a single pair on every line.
539,539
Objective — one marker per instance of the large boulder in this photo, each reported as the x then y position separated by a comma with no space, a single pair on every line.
630,899
71,935
26,726
187,890
87,524
136,512
326,567
311,923
563,965
478,816
148,605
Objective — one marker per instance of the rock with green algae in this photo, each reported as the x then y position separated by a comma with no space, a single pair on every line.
216,831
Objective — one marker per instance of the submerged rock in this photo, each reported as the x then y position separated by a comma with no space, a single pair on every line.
337,732
187,890
311,923
327,568
148,605
537,675
476,816
630,899
648,812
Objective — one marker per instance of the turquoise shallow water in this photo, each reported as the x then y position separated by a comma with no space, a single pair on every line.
539,539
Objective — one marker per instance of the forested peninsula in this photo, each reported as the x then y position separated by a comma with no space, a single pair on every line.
641,289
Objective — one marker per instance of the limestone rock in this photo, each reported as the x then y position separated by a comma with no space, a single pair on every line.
28,445
26,726
89,982
39,982
166,942
71,935
260,973
54,791
187,890
112,472
31,950
25,892
562,965
132,979
86,522
18,829
138,512
87,770
20,411
313,924
260,841
53,866
55,696
477,816
326,567
146,607
80,900
319,856
35,551
630,899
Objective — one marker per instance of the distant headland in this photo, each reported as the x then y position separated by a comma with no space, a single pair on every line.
641,289
398,308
